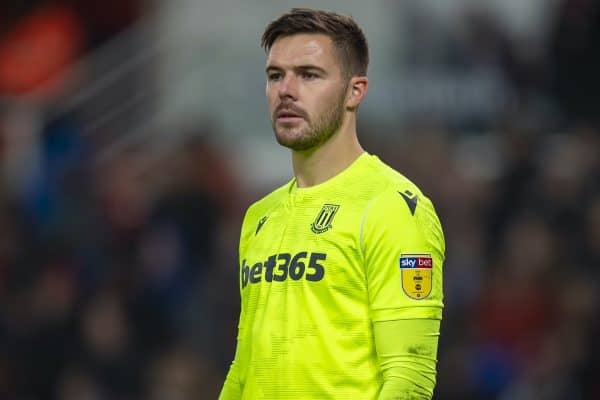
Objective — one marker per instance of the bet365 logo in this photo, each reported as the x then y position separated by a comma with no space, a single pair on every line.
280,267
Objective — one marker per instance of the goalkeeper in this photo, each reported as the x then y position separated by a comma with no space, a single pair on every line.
340,269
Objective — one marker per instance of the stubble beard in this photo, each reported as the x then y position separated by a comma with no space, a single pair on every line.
312,134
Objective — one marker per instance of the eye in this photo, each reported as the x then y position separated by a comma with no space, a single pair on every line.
309,75
274,76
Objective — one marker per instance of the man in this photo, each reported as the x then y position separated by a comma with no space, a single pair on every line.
341,268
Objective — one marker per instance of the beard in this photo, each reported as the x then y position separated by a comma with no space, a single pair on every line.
313,132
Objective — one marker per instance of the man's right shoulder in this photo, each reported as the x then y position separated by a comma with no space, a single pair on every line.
269,201
257,212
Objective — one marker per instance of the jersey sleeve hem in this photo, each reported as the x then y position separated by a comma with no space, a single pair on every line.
412,312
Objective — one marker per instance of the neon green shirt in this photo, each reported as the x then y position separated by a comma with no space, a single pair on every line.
319,266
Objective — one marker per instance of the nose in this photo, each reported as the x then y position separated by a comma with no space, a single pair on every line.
288,87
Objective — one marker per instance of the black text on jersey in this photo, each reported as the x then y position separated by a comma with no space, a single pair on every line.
280,267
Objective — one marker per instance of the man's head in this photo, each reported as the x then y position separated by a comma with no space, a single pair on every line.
316,74
346,35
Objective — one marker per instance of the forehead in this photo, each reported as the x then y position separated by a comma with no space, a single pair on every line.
303,49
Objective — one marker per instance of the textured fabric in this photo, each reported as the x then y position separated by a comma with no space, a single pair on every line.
320,265
407,353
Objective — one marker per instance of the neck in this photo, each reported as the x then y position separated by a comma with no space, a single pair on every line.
317,165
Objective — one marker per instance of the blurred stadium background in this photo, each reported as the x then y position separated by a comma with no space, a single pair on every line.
133,134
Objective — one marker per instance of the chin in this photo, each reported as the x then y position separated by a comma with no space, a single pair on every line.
289,136
296,144
288,141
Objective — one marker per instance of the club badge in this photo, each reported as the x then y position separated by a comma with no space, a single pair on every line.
322,222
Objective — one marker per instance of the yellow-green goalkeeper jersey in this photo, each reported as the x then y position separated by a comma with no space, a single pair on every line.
320,265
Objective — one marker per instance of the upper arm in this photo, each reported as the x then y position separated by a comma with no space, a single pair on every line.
403,249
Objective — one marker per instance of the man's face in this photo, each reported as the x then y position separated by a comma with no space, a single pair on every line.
306,90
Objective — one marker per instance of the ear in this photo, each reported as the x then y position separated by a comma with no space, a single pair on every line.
358,90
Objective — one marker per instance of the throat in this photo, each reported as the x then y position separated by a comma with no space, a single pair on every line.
319,165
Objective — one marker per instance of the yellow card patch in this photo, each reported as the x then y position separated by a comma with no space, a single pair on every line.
416,271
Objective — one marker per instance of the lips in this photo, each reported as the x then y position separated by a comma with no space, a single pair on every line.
288,114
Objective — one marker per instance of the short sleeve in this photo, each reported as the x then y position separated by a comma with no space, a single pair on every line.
403,248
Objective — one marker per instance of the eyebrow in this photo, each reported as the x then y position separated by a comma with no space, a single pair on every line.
306,67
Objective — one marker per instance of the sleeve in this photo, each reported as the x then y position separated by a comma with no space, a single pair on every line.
407,357
403,250
232,388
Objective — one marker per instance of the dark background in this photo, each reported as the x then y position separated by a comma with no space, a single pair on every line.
120,210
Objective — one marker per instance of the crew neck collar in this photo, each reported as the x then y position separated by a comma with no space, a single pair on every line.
296,191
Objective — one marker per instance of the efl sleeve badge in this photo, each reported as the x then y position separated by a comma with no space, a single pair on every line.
416,271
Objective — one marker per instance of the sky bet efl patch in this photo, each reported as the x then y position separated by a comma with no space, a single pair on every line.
416,271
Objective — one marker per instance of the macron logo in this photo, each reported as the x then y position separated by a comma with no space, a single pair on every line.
260,224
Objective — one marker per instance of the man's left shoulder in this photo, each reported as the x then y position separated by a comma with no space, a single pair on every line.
396,191
399,201
402,209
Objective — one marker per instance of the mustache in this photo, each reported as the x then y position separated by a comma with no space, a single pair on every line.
288,107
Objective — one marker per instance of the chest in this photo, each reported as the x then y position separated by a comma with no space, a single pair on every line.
313,249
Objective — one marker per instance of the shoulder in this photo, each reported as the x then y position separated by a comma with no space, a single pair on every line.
258,210
399,206
393,189
269,201
262,207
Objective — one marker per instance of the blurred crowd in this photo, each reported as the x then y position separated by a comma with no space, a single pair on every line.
118,270
521,215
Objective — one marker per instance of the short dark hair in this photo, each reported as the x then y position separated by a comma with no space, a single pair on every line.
344,32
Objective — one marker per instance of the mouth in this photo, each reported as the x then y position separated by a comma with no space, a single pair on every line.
286,116
289,120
